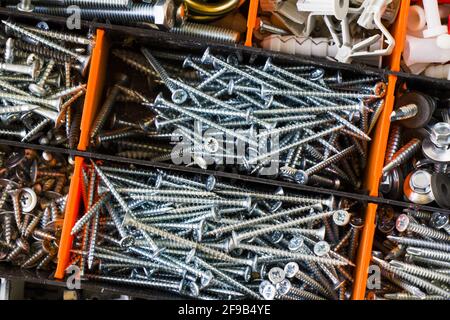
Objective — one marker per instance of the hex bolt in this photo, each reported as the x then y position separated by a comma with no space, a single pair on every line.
160,13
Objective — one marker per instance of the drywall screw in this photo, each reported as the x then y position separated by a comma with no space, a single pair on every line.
106,107
408,296
285,288
84,60
302,176
53,103
93,240
420,271
124,56
30,134
61,36
292,270
92,210
404,154
256,221
413,279
421,243
291,255
427,253
159,100
403,224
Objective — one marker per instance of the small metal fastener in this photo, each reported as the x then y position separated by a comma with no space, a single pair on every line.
417,187
28,199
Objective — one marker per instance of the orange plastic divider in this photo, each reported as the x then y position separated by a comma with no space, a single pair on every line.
376,157
92,99
251,21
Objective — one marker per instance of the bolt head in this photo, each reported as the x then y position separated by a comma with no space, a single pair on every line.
164,13
291,269
440,134
439,220
420,181
402,223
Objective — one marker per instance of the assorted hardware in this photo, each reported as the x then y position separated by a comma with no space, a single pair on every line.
209,239
427,46
33,195
42,85
412,252
339,30
418,154
317,121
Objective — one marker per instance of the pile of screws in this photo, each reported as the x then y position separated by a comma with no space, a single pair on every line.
32,204
210,239
38,106
297,123
418,153
413,253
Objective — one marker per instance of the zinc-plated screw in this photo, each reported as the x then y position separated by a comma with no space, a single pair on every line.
25,6
84,60
404,112
92,210
30,70
38,88
420,271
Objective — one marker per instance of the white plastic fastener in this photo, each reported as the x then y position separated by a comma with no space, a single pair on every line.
439,72
434,26
419,50
338,8
416,18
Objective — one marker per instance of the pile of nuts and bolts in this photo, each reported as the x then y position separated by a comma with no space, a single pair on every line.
300,123
418,153
161,14
210,239
412,253
33,193
41,84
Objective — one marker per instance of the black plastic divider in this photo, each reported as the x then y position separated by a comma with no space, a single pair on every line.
232,176
46,278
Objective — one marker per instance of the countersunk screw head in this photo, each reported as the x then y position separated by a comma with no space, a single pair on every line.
402,222
283,287
37,90
291,269
179,96
127,241
440,134
321,248
317,74
301,177
267,290
210,183
295,244
341,217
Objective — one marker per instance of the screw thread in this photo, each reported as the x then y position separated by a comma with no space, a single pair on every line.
420,271
131,60
31,261
207,32
133,14
8,228
293,291
428,232
88,215
404,112
404,154
426,253
393,142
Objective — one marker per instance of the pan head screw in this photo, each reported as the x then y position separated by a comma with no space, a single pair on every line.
402,223
439,220
28,199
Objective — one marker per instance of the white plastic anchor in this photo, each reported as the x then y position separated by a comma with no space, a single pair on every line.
370,18
434,26
337,8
